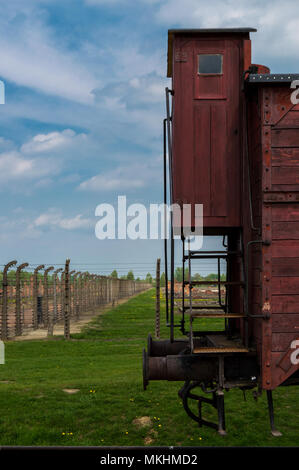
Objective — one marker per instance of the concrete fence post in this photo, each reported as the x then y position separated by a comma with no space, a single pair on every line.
72,308
80,296
83,292
19,330
87,300
66,300
35,294
61,313
92,285
4,320
46,296
53,317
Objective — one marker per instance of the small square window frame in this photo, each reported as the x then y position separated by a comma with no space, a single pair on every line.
210,73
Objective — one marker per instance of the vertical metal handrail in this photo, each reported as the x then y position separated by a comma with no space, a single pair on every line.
183,290
165,218
169,137
169,142
190,296
246,151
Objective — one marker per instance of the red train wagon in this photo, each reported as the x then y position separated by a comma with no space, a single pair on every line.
273,150
232,138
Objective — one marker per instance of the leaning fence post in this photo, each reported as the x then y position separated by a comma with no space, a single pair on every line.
18,330
4,326
46,296
66,301
157,329
35,293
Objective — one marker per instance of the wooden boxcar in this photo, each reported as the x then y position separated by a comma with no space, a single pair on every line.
273,138
232,130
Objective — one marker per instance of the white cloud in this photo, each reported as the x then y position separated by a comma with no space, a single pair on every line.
24,165
50,141
15,167
21,224
131,61
150,88
55,219
124,178
28,163
276,21
32,57
115,180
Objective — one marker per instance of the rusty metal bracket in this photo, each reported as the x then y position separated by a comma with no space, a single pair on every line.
185,393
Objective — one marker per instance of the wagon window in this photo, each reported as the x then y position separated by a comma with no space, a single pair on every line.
210,63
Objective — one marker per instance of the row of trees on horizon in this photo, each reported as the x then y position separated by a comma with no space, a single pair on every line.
178,276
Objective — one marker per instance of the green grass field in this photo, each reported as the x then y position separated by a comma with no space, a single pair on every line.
104,363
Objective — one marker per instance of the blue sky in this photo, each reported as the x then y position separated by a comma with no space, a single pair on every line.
85,84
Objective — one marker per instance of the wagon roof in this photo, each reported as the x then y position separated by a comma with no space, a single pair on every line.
172,32
256,78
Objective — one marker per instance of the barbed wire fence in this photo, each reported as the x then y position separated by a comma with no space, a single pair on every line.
41,297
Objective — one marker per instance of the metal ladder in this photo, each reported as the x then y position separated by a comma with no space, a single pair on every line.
217,343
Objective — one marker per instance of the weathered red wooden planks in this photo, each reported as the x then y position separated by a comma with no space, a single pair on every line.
275,171
207,126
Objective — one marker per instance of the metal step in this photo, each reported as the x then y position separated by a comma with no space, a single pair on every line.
215,283
216,315
220,344
219,350
211,254
203,307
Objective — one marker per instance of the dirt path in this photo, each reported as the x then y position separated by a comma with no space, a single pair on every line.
75,326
